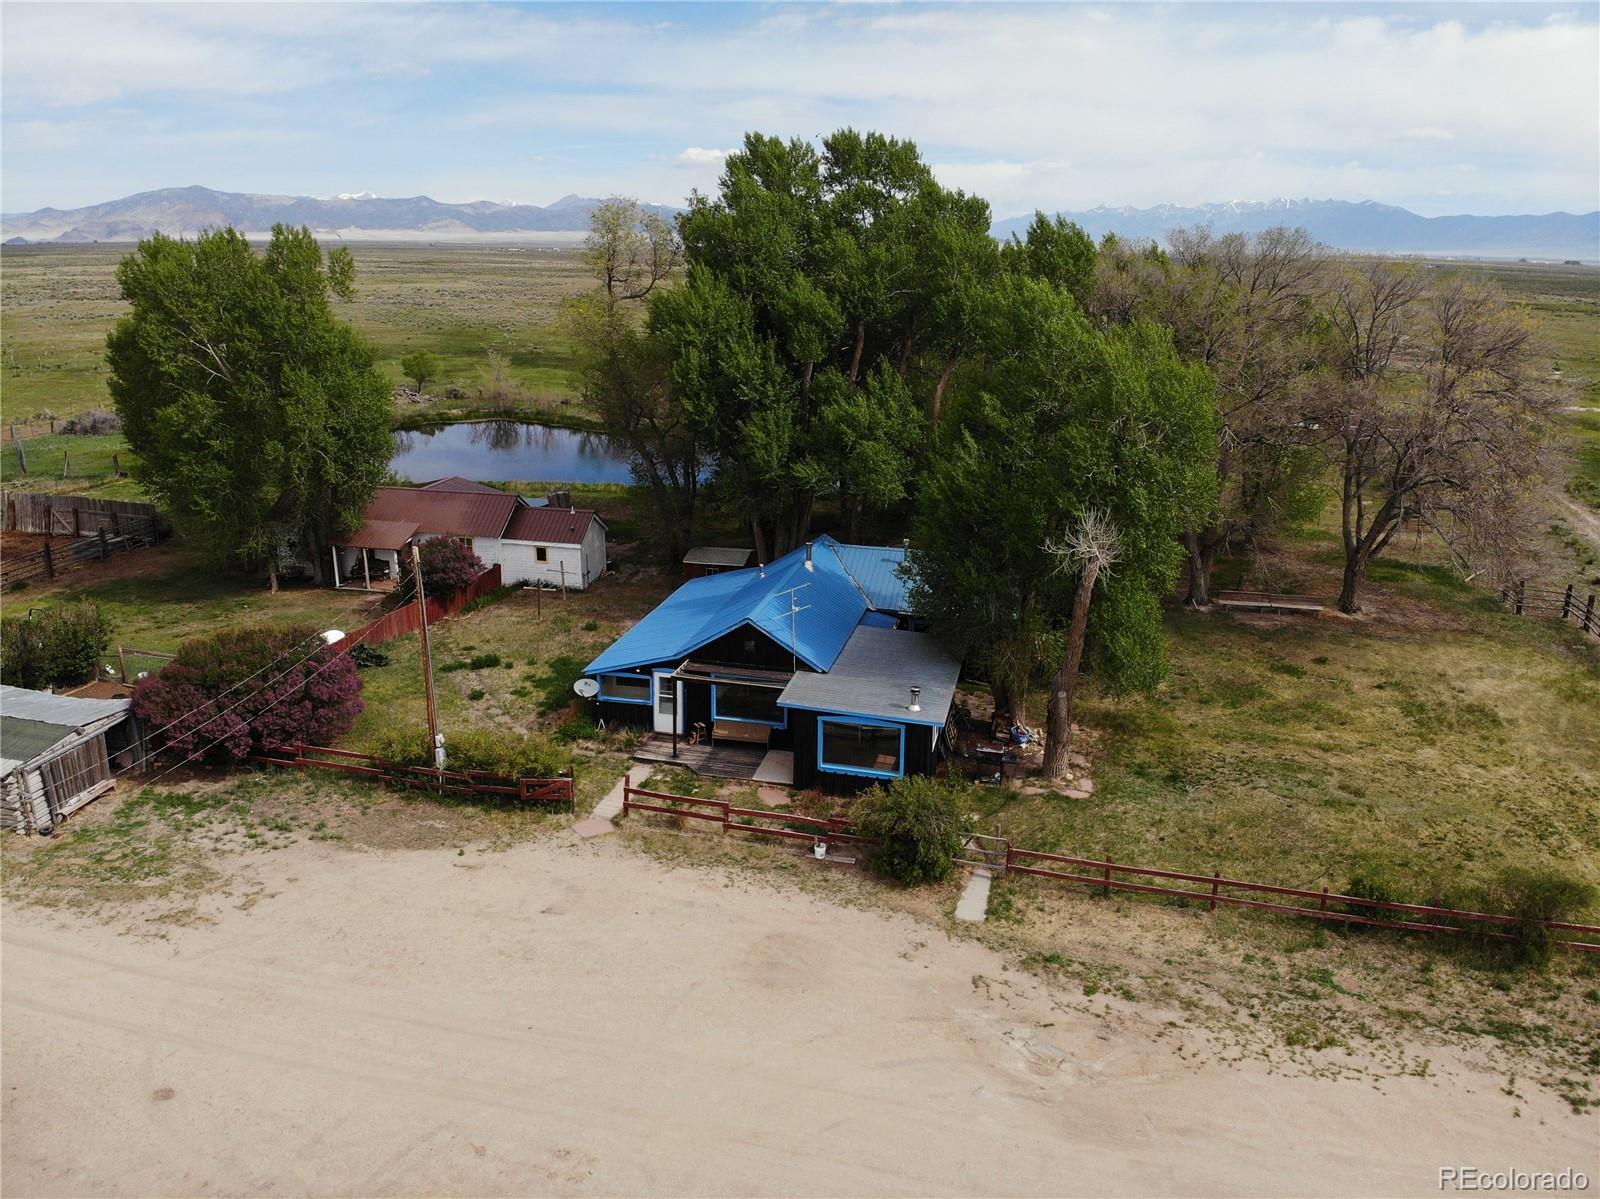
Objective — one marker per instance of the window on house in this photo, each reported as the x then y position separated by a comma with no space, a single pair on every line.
759,705
541,554
853,747
625,688
667,699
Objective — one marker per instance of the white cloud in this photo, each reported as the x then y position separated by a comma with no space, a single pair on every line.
1051,106
696,156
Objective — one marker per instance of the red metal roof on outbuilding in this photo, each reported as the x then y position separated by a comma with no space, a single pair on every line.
381,535
457,483
447,513
554,526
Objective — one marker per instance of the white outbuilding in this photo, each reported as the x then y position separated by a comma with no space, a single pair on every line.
58,752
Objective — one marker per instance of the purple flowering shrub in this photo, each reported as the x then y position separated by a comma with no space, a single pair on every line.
448,566
291,689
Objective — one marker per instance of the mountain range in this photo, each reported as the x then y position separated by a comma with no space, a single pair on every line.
184,211
1365,226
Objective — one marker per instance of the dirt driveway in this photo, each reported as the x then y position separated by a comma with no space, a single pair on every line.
563,1019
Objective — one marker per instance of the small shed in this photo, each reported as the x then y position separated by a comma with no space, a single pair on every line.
58,752
705,560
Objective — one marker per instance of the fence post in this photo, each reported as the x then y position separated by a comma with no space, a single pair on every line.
1522,587
22,454
122,663
1324,905
77,522
627,792
1216,881
116,466
49,562
1566,602
66,459
1109,861
1588,616
105,550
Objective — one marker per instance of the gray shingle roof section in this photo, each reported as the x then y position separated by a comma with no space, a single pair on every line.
873,677
56,709
717,555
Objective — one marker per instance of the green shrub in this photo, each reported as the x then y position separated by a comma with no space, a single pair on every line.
555,685
917,824
476,693
59,647
365,655
575,728
452,667
496,750
1533,897
483,661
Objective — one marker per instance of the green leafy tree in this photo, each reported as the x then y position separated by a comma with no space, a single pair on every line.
420,367
916,822
827,303
58,647
1059,252
258,417
1059,424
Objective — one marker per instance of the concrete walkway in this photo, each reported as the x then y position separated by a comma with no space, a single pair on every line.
609,808
974,902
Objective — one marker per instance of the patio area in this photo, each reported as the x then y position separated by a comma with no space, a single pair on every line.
753,763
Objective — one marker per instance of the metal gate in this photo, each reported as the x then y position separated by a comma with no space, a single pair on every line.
979,849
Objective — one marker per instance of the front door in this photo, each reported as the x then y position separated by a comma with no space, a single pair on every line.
666,704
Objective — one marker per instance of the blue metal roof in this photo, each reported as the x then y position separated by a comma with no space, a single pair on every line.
876,571
829,603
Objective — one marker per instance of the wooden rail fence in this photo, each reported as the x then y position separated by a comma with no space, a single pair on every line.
1562,603
1107,875
71,515
481,783
132,532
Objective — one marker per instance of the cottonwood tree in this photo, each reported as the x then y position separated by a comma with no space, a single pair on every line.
1432,415
1060,420
840,279
1245,307
1089,550
624,365
257,416
630,250
420,366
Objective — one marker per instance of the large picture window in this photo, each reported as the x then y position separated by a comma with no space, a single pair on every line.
737,701
861,747
625,688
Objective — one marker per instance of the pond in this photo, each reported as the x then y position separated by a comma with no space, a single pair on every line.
510,451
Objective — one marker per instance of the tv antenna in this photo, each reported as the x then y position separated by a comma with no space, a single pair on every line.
795,608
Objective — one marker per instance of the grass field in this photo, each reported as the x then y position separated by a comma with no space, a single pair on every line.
57,303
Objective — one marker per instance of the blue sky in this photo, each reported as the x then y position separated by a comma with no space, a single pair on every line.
1438,107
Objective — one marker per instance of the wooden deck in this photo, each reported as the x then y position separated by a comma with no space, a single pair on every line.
720,761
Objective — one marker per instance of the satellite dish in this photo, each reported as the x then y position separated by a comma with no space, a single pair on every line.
588,688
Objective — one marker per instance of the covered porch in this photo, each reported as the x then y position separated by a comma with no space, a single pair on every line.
722,760
373,557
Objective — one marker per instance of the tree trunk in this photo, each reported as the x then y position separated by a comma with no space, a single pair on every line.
1349,604
1202,556
272,578
1064,686
939,388
861,345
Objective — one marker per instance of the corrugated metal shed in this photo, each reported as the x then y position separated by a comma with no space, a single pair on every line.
381,535
445,513
700,611
552,526
22,740
876,570
873,677
56,709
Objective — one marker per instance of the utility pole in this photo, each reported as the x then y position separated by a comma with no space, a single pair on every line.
435,741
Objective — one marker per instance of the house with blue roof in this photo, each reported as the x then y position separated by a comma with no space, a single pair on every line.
805,668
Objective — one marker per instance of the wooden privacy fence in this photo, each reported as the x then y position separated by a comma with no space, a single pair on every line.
1107,875
71,515
133,533
1563,603
408,619
481,783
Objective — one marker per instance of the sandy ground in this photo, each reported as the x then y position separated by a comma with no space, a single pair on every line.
565,1019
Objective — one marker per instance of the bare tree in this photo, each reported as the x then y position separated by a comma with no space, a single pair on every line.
1432,415
1245,308
1089,551
630,250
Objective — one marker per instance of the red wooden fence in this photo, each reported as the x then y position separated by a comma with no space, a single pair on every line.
456,782
409,618
1107,875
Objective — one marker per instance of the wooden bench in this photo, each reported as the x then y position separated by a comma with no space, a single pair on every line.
741,730
1268,601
